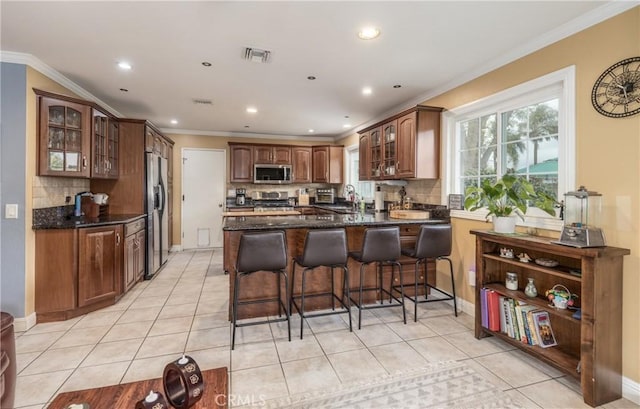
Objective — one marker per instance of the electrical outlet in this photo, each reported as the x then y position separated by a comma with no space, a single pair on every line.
11,211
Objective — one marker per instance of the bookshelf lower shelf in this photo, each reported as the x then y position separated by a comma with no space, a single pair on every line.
553,356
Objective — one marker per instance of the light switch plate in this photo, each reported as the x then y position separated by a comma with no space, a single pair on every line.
11,211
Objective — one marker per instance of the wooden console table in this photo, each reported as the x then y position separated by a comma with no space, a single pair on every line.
127,394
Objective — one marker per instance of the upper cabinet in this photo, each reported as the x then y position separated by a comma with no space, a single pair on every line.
278,155
364,157
104,146
301,158
241,163
64,138
406,146
327,164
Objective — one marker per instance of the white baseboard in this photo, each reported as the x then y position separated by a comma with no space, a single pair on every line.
631,390
176,248
466,306
23,324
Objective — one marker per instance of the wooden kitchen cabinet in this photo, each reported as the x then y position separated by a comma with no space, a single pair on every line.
241,163
327,164
77,270
364,154
278,155
99,263
405,146
301,158
134,254
104,146
64,137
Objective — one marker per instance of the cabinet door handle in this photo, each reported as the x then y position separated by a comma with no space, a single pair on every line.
397,165
117,239
84,162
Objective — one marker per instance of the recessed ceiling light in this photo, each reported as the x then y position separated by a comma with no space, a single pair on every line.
252,110
246,126
346,126
346,116
124,90
174,121
311,130
311,78
368,33
397,86
124,65
367,91
206,64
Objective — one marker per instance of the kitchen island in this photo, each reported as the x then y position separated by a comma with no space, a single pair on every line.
262,284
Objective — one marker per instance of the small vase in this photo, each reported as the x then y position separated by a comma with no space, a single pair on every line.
530,290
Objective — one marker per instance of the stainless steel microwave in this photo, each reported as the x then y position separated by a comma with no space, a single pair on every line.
272,174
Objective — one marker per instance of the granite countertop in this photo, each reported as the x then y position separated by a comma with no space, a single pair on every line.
79,222
319,221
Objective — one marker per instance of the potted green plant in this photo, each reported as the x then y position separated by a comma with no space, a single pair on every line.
506,198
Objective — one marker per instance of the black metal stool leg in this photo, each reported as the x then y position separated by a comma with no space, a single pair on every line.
360,296
287,310
293,284
404,310
279,295
345,291
304,280
333,291
234,315
415,293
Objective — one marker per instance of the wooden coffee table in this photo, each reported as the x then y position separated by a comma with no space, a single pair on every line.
127,394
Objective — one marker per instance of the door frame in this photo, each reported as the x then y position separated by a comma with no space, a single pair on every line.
224,184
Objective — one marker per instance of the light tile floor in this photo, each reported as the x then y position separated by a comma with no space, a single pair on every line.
184,310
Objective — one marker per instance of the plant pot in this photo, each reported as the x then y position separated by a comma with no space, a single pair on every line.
504,224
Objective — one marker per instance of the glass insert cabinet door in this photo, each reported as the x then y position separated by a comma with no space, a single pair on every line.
64,138
389,131
375,141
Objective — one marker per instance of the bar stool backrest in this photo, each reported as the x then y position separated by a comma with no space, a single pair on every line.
262,251
326,247
434,240
381,244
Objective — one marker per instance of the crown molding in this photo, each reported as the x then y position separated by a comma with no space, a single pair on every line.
574,26
172,131
40,66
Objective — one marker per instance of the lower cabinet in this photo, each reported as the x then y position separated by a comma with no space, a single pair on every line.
84,269
99,263
134,254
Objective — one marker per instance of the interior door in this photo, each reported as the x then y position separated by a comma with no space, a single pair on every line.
203,197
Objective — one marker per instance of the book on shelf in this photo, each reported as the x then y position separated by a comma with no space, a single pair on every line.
543,329
493,305
483,307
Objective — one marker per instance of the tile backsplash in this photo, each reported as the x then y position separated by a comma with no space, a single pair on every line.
52,191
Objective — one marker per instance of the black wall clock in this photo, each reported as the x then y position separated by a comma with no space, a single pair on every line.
616,93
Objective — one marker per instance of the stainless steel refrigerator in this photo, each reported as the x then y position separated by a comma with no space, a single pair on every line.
157,214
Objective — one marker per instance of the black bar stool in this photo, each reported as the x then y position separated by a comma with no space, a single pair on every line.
326,248
381,245
261,251
434,241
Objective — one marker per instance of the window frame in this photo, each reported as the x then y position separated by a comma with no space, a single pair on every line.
560,84
350,153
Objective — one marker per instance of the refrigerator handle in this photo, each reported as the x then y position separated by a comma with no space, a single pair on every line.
163,197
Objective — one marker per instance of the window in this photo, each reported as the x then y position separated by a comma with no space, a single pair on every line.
528,130
364,189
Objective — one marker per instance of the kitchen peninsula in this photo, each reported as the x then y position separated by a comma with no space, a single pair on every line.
261,285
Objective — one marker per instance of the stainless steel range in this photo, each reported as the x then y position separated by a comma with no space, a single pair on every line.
267,201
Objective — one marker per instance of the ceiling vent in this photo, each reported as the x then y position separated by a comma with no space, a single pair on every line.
202,101
256,55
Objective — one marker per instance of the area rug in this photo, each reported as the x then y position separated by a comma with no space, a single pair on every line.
448,384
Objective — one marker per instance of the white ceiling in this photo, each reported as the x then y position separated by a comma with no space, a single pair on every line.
427,47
